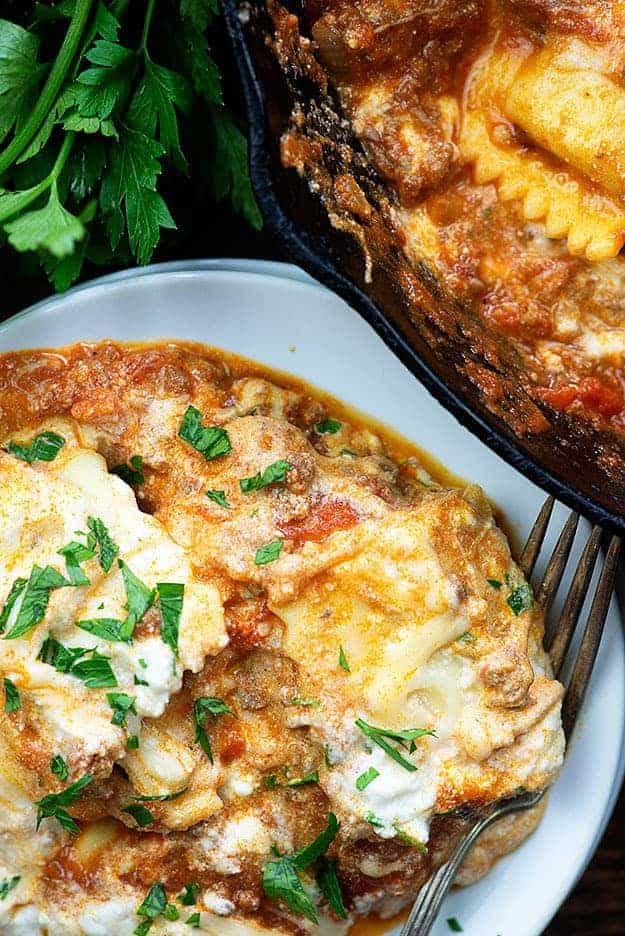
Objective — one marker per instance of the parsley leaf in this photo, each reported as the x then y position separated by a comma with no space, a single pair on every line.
12,702
152,109
210,441
202,708
132,473
20,75
133,742
106,628
75,553
329,885
139,599
379,736
122,705
228,175
273,474
193,920
343,660
170,595
453,925
311,777
35,601
53,804
219,497
44,447
280,878
188,896
52,228
521,599
95,672
363,781
101,537
280,882
7,885
269,552
142,816
17,588
494,583
154,903
328,426
59,768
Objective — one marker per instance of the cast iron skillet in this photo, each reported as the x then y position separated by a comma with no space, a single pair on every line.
334,212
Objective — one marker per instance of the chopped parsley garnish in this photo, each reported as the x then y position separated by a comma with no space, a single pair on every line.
131,473
59,768
171,912
152,907
328,426
202,708
133,742
271,781
35,601
142,816
12,702
311,777
281,882
219,497
330,888
53,805
139,599
210,441
99,536
379,736
7,885
194,920
44,447
363,781
521,599
188,896
17,588
273,474
170,595
495,583
410,840
122,705
372,819
453,925
343,660
160,797
467,637
280,878
305,703
269,552
95,672
107,628
75,553
140,682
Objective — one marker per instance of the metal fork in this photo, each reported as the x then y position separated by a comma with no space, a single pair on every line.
558,636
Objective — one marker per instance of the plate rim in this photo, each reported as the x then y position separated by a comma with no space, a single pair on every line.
289,272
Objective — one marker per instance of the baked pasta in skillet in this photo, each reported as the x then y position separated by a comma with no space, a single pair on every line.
499,123
255,659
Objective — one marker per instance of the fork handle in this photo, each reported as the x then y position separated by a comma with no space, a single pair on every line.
428,903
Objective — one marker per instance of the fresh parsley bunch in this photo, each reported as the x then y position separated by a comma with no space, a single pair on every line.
95,96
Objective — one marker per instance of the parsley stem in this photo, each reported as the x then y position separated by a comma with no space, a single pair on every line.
48,182
149,13
52,86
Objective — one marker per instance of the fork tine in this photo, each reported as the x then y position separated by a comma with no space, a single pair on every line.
558,639
548,588
528,557
591,639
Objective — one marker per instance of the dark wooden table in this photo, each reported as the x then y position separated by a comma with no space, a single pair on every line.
597,905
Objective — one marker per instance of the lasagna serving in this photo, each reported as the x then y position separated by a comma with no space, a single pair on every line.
257,664
499,126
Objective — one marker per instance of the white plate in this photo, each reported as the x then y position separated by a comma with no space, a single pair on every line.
264,311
